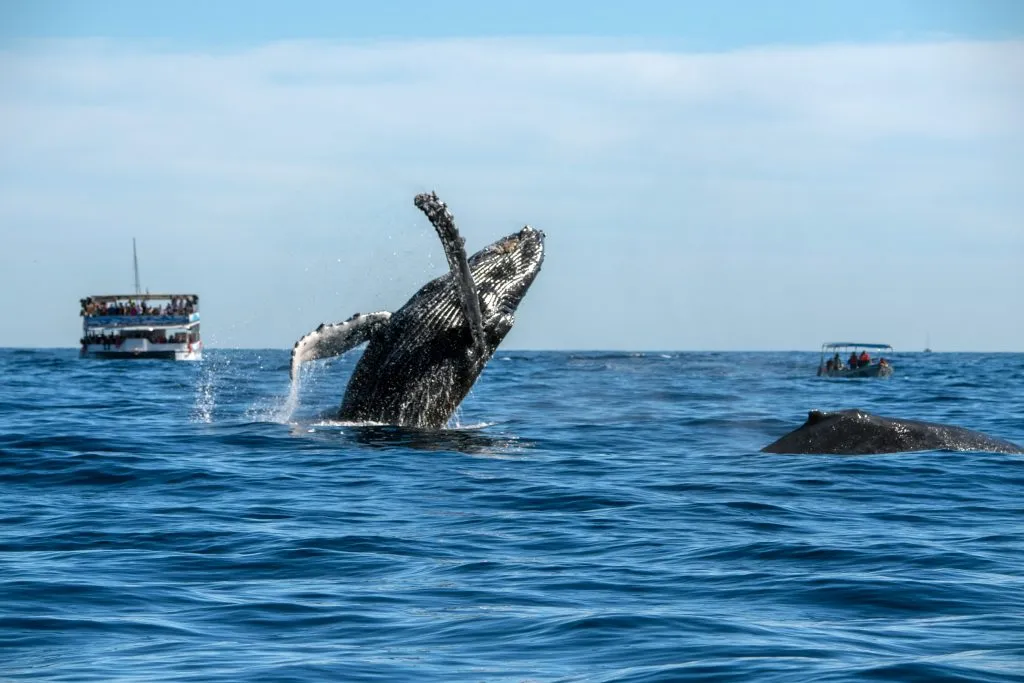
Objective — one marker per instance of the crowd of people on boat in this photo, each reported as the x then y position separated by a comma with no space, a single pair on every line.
107,340
178,305
835,363
114,341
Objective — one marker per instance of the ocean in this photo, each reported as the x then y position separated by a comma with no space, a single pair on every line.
588,517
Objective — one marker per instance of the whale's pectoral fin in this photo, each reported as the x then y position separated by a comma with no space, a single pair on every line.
455,249
333,340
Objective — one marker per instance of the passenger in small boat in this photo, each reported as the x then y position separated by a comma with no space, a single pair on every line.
852,360
864,359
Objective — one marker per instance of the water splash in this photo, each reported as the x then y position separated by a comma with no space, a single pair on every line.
455,421
283,410
291,402
206,391
275,409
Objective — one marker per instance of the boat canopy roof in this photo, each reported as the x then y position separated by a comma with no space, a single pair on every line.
840,345
141,297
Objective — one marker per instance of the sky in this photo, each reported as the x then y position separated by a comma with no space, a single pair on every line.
710,176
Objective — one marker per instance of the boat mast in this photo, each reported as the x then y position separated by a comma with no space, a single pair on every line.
135,260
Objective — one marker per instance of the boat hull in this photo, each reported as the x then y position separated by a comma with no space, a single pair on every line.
142,351
159,355
873,370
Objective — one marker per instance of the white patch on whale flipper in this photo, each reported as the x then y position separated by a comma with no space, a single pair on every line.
328,341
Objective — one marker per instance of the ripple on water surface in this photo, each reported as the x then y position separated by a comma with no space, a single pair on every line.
589,516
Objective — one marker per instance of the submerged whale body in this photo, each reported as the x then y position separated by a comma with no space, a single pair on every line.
422,360
856,432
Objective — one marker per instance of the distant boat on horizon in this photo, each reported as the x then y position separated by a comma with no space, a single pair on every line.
859,366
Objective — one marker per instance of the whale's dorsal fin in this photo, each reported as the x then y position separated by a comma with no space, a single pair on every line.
455,249
333,340
816,416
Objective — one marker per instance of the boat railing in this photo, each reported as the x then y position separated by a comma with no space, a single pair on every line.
139,320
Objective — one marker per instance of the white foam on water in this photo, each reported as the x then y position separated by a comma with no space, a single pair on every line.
473,427
327,422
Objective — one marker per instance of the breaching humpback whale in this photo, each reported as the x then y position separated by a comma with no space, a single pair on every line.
422,360
856,432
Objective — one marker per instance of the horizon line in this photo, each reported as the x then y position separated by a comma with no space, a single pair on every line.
545,350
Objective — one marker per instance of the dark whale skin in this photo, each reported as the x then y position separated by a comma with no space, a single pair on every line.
422,360
856,432
420,366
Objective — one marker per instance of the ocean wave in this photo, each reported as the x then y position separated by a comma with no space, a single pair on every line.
591,517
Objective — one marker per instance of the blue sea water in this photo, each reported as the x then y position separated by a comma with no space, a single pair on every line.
590,517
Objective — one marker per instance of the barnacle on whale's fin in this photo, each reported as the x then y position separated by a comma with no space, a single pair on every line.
333,340
455,250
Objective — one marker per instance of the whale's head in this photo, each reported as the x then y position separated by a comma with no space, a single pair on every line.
503,272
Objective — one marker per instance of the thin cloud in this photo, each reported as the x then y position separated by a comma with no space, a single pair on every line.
619,150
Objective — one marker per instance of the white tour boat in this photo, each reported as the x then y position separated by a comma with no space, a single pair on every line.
141,325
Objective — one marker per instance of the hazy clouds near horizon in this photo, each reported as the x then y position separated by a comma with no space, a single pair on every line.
764,198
